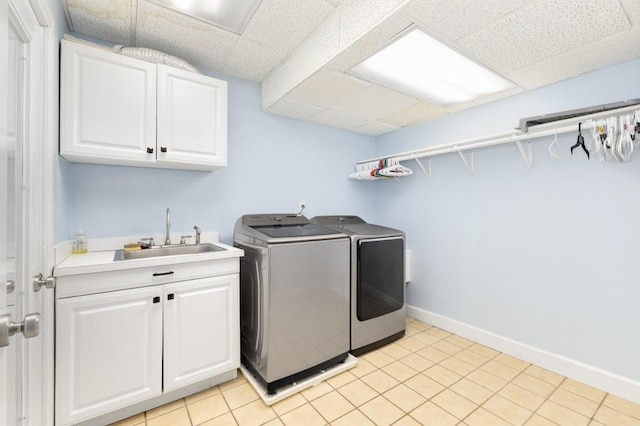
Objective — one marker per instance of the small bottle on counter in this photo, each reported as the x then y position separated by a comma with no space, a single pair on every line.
80,244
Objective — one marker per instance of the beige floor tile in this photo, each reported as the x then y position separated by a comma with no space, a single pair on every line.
405,397
380,381
341,379
207,409
453,403
353,418
537,386
240,379
574,402
305,415
522,397
487,380
240,395
446,347
416,362
483,350
274,422
537,420
424,385
507,410
595,423
288,404
254,413
421,326
223,420
546,375
622,405
430,414
612,417
362,368
583,390
482,417
165,408
332,406
178,417
500,370
202,395
316,391
513,362
378,359
399,371
357,392
381,411
460,341
407,421
426,338
131,421
442,375
471,391
411,344
433,354
561,415
395,351
411,331
457,366
438,332
472,358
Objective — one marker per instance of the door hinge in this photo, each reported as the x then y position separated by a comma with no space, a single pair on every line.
39,281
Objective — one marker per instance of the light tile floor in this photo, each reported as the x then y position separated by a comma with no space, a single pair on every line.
429,377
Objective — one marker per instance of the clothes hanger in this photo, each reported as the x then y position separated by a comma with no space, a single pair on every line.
555,153
580,142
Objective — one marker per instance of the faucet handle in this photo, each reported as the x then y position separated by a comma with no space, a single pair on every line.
182,239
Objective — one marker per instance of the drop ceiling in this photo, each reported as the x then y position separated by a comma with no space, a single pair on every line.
302,50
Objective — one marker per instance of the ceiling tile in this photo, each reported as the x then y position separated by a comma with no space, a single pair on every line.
252,60
282,24
196,42
375,102
361,16
293,109
454,19
632,7
543,30
108,20
599,54
374,128
413,114
327,87
336,119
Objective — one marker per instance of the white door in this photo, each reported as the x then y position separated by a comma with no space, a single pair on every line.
23,238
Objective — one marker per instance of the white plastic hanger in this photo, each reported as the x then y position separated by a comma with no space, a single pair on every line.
555,152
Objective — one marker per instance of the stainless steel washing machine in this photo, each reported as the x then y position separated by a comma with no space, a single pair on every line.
378,312
294,297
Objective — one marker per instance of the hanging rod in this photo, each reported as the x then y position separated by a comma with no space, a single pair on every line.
543,130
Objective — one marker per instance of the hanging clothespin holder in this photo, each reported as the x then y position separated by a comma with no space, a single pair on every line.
580,142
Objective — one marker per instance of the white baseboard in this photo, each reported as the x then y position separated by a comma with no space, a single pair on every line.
602,379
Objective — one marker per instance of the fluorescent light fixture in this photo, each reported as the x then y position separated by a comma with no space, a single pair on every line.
421,66
232,15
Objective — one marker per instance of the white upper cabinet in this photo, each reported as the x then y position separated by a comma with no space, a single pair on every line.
118,110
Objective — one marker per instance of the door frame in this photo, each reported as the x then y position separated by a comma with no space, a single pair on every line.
34,22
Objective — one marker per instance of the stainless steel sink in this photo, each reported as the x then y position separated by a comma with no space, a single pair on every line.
166,251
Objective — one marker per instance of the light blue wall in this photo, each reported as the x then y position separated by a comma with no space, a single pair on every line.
548,257
273,162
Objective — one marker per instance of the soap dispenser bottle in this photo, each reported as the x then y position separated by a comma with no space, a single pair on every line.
80,244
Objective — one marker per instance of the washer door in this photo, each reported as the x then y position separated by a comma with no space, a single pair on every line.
380,286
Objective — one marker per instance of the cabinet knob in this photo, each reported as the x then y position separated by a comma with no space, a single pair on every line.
156,299
170,296
163,149
149,150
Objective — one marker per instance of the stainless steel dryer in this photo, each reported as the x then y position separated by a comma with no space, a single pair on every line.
294,297
378,312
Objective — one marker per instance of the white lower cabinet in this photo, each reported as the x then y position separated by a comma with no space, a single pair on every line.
119,348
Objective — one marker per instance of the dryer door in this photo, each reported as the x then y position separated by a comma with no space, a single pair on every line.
380,284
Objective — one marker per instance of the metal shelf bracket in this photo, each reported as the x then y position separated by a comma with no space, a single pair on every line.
527,156
467,163
427,171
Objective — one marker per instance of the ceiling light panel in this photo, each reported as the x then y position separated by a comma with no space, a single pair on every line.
423,67
232,15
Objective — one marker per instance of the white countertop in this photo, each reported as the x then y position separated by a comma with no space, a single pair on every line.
102,261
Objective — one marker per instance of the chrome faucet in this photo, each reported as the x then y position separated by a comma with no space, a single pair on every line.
167,239
197,235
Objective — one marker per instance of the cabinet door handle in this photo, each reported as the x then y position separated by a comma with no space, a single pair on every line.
156,299
171,296
159,274
149,150
163,149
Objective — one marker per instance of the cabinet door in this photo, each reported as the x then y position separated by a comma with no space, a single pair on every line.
201,329
192,119
108,352
107,107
